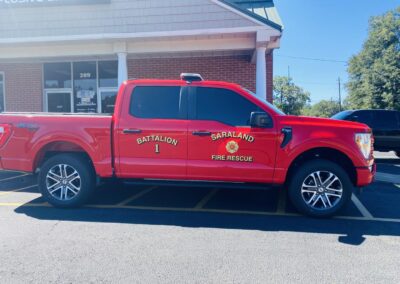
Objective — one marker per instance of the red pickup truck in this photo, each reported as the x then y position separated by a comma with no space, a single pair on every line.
191,131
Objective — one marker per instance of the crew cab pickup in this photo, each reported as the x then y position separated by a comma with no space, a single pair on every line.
191,131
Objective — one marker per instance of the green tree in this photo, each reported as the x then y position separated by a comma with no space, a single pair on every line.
324,108
374,73
288,97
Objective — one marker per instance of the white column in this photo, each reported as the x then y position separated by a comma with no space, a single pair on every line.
261,73
122,67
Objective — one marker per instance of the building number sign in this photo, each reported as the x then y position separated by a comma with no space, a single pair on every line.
85,75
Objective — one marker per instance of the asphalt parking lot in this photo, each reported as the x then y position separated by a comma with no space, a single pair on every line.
171,234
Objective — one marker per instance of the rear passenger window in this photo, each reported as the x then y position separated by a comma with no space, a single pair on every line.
398,119
224,106
161,102
385,120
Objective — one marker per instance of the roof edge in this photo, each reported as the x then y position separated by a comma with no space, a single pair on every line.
252,15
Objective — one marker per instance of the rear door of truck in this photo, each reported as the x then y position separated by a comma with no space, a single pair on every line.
152,132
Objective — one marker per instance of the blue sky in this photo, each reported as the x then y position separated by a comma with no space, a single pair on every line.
323,29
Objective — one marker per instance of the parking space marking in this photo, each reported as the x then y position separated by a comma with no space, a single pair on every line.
154,208
16,190
390,220
11,178
136,196
387,177
364,211
206,198
281,208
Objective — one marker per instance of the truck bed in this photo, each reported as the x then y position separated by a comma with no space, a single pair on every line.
35,133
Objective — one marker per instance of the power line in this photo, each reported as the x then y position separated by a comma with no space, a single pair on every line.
312,59
317,83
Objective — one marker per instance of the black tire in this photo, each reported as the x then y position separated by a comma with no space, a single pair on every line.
303,175
66,197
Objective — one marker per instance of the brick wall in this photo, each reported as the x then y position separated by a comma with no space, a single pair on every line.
237,69
23,86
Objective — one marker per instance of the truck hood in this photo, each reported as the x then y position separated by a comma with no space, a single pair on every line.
288,120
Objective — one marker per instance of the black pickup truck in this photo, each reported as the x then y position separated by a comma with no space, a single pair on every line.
385,125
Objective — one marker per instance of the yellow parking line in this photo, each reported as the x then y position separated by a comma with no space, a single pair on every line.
206,198
190,210
136,196
11,178
16,190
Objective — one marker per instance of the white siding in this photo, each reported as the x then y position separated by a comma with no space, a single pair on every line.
121,16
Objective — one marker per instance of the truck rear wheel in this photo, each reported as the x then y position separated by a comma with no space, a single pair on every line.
320,188
66,180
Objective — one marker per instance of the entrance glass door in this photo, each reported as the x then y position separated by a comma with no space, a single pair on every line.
59,101
85,86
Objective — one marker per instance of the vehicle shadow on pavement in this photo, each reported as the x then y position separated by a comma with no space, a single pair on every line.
352,232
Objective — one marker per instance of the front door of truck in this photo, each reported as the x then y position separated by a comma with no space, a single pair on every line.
152,133
222,145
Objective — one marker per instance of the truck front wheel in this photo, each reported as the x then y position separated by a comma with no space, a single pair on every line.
320,188
66,180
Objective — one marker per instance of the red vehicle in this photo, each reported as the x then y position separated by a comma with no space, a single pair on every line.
190,132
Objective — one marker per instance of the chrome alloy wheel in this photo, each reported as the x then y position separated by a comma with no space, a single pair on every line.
322,190
63,182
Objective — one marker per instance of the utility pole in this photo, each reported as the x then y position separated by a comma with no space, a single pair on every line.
340,95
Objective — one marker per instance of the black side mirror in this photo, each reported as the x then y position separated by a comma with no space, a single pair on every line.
260,119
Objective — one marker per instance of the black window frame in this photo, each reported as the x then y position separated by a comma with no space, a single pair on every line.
183,105
193,107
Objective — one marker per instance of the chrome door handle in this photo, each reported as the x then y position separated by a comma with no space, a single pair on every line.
201,133
132,131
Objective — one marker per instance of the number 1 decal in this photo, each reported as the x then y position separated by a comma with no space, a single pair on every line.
157,149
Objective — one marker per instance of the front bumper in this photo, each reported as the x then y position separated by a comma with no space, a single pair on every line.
366,175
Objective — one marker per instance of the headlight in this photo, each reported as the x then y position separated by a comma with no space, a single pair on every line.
364,143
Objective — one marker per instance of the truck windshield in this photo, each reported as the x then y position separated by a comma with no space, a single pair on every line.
264,101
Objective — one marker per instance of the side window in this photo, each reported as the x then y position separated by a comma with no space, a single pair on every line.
224,106
363,117
161,102
385,119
